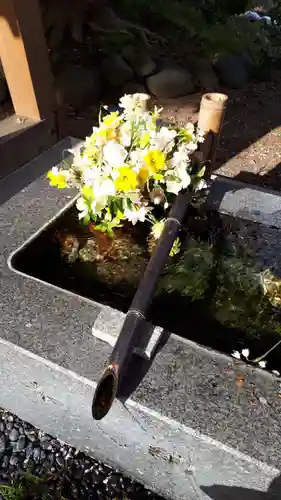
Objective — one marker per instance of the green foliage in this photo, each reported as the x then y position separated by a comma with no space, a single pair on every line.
30,487
189,275
244,297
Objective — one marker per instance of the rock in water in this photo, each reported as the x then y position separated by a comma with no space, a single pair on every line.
232,70
116,71
171,82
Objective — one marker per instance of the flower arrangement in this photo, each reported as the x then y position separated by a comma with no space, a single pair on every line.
130,165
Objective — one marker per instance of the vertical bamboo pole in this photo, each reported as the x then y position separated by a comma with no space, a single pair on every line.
210,121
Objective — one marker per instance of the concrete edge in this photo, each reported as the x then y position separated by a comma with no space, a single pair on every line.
170,458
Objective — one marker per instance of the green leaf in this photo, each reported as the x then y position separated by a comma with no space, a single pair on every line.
201,172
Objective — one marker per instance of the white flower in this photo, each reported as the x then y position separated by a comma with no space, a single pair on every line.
176,180
134,216
106,188
101,191
99,203
275,372
91,175
134,104
173,186
82,207
236,355
262,364
114,154
191,146
164,139
180,158
80,160
245,353
137,159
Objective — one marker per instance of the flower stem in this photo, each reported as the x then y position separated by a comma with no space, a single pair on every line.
260,358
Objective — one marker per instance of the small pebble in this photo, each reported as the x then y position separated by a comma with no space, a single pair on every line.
24,449
5,462
2,444
36,455
14,434
14,460
31,436
21,443
29,451
60,461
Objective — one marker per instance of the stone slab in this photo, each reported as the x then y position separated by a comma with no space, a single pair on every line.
245,201
172,459
109,322
187,384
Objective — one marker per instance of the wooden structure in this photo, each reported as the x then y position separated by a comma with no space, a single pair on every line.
24,56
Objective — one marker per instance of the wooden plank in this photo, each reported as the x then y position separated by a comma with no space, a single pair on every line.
23,139
25,60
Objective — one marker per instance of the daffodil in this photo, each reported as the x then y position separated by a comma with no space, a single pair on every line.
127,179
58,178
155,160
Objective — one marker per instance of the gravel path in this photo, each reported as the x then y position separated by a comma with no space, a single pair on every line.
50,469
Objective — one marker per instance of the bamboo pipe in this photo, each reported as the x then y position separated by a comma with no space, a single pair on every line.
210,121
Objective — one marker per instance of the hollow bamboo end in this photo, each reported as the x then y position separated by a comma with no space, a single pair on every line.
105,393
211,114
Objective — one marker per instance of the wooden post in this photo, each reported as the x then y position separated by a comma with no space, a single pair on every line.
24,56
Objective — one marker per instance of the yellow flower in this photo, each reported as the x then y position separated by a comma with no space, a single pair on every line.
155,160
57,178
143,175
109,126
127,179
144,140
107,133
112,120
